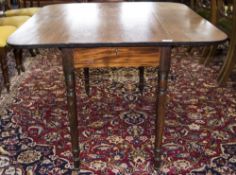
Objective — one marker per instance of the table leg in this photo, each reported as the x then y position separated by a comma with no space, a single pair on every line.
86,80
18,58
161,101
71,103
141,79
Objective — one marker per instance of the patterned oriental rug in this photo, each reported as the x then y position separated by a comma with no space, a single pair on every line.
116,124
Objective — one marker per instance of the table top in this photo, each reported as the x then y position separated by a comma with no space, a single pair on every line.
115,24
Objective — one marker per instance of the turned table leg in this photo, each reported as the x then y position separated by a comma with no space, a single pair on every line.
71,103
141,79
86,80
161,102
19,62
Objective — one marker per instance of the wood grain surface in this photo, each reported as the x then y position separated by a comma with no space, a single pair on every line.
116,57
115,24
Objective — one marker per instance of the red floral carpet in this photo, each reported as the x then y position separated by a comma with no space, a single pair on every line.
116,123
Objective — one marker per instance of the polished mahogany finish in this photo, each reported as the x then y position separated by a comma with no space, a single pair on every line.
116,57
123,31
115,24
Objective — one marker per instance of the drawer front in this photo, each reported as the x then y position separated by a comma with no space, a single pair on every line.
116,57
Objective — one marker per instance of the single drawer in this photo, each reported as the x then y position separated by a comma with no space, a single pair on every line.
116,57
